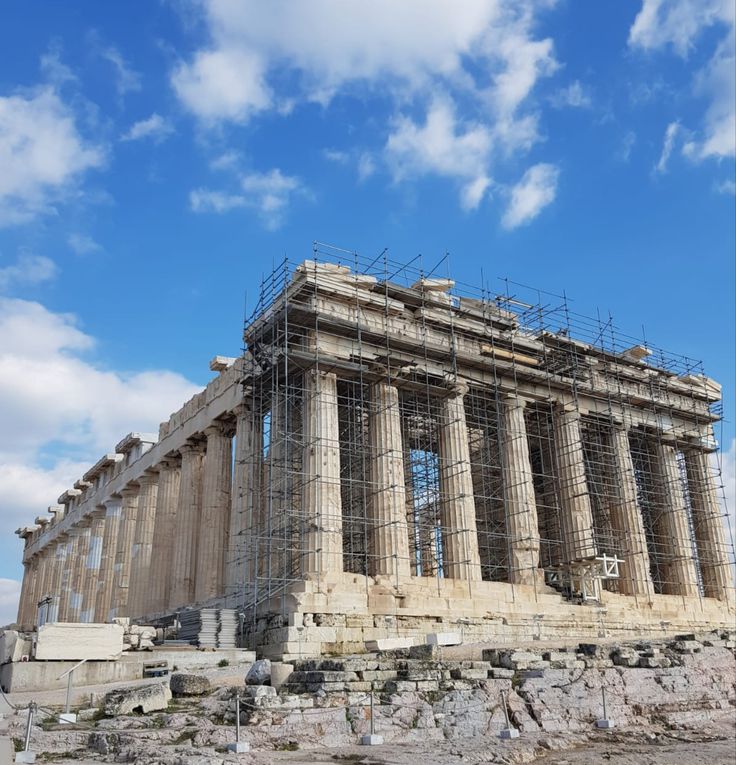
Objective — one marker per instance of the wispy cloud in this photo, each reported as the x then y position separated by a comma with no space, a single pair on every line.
668,144
28,269
536,190
83,244
574,95
155,127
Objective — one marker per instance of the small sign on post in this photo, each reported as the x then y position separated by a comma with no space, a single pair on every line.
373,738
27,756
509,731
604,722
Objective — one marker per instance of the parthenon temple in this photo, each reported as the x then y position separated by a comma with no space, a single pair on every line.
393,455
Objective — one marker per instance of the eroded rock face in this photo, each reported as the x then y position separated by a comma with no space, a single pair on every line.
185,684
143,698
259,673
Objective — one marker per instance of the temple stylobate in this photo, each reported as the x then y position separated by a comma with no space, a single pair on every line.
393,455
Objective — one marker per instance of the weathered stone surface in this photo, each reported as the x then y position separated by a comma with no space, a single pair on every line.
185,684
259,673
143,698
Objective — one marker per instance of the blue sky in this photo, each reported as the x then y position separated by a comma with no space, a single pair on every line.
157,157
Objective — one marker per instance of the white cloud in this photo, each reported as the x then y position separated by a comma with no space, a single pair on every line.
681,24
726,187
155,127
574,95
83,244
536,190
442,147
627,145
9,596
28,269
223,85
677,23
54,399
269,194
366,166
42,154
668,144
336,156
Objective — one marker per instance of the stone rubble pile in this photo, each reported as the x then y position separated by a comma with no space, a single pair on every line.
136,637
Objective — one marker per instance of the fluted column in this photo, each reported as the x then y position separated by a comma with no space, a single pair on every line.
187,525
140,557
103,604
69,603
321,467
460,556
81,551
214,520
45,567
246,488
519,497
25,616
59,563
673,531
93,563
124,550
576,513
710,536
162,553
389,535
634,573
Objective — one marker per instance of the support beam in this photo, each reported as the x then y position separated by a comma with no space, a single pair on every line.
321,466
519,497
214,519
388,532
576,513
710,536
634,573
460,556
187,525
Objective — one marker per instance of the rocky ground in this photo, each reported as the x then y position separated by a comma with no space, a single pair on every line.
672,702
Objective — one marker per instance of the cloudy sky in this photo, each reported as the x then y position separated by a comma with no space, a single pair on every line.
157,155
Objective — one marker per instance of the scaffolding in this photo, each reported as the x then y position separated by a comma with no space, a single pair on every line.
368,320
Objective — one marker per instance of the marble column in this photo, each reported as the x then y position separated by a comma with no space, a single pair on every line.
321,466
634,573
388,532
103,603
519,497
214,518
25,616
93,563
60,562
187,525
43,582
460,556
65,580
79,570
575,508
140,556
68,607
246,488
710,535
672,529
162,552
124,550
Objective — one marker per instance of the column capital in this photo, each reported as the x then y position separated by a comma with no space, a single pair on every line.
217,428
149,476
171,461
192,447
241,409
457,388
130,490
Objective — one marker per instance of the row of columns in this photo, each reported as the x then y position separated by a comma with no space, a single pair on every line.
163,543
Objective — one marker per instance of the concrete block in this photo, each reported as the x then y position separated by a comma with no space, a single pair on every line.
606,724
27,756
372,739
444,638
507,733
280,673
239,747
67,717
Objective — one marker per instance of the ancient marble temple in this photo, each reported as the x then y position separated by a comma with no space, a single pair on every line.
392,456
